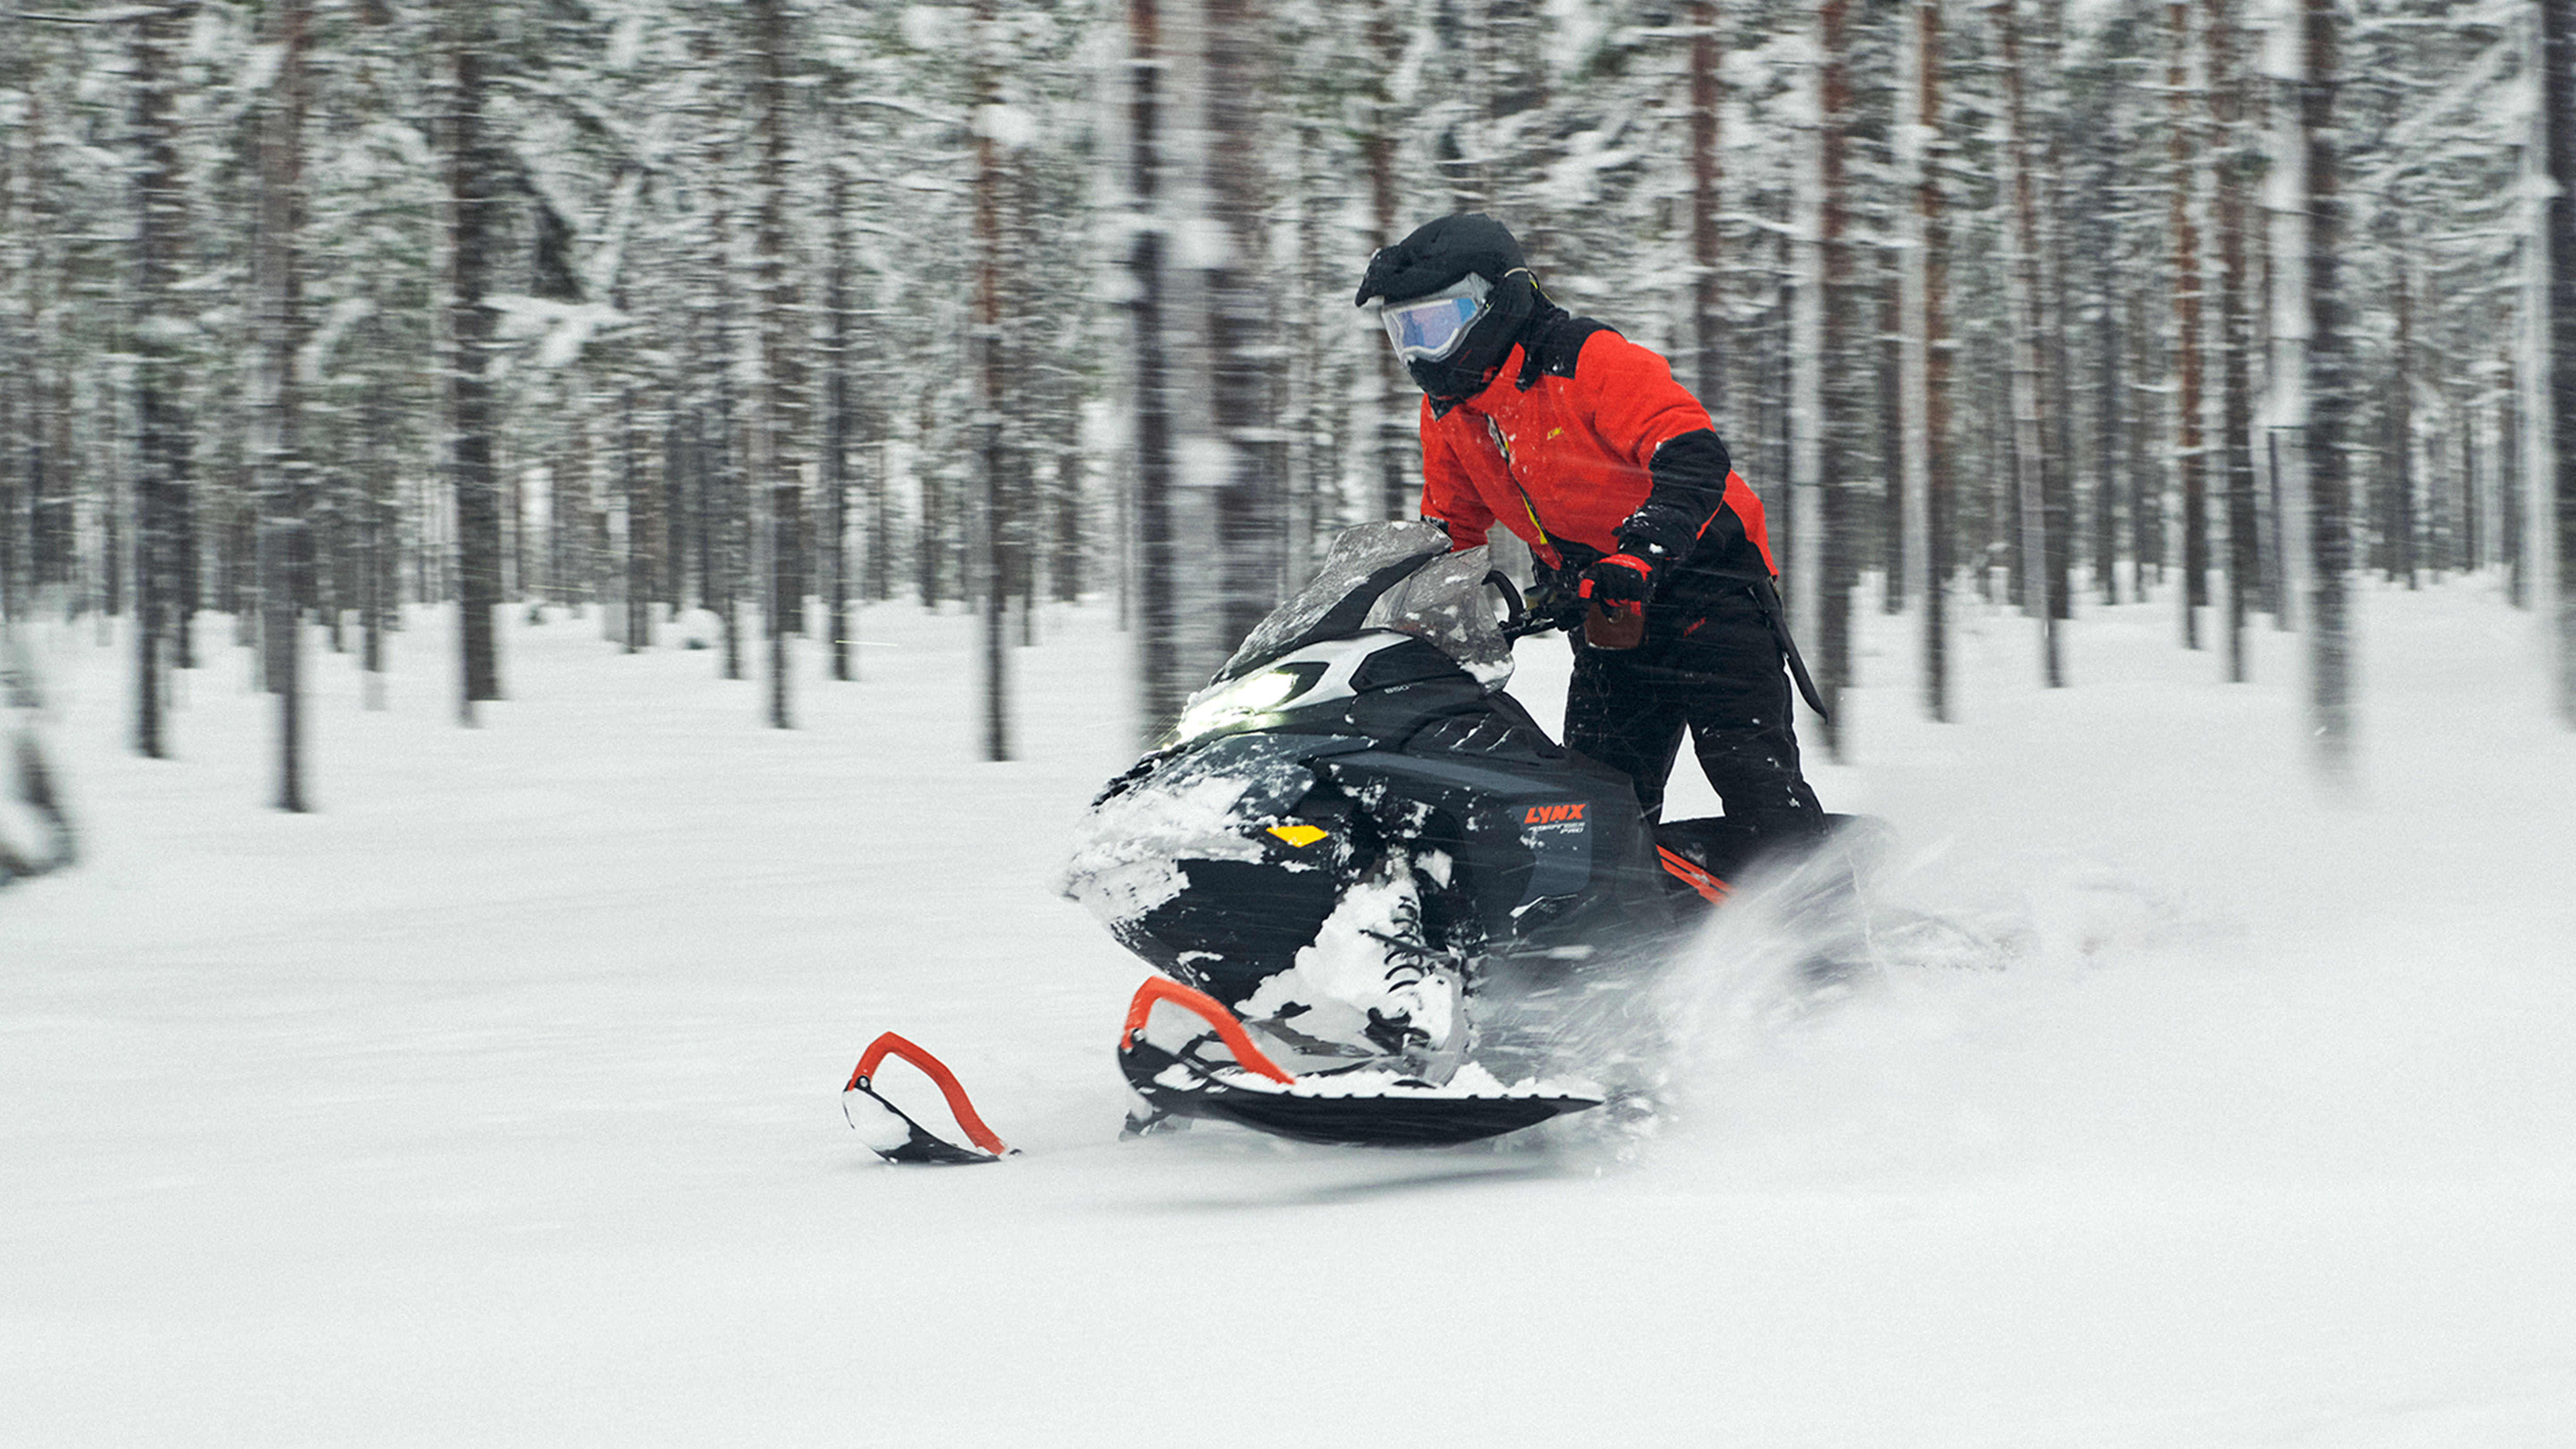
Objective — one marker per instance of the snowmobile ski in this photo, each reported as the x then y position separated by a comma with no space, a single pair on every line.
1378,1109
892,1134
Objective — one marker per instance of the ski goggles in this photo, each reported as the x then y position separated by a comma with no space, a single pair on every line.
1428,329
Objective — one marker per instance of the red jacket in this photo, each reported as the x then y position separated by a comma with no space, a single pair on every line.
1572,456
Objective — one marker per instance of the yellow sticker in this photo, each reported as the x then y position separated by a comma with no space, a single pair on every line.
1300,836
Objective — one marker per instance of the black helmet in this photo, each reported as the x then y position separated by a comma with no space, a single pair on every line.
1472,263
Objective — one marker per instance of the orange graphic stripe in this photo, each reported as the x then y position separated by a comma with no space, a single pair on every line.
1710,887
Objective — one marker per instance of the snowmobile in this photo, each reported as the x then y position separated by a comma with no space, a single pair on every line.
1381,898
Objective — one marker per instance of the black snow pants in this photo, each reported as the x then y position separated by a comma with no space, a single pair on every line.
1711,664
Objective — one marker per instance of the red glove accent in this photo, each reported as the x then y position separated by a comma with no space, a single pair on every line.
1618,583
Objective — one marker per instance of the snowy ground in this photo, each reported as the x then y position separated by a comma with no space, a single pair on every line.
496,1102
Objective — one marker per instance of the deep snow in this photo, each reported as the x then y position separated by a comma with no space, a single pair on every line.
495,1103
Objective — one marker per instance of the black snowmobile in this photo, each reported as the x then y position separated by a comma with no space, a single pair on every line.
1382,897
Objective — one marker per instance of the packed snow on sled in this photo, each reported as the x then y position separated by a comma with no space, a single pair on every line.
1387,908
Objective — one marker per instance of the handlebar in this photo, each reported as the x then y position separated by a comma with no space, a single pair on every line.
1518,622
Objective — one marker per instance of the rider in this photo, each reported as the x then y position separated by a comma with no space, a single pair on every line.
1580,442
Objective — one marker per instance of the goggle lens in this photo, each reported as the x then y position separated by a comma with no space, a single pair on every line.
1430,329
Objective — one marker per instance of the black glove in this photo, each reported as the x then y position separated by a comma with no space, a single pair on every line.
1659,534
1619,583
1617,588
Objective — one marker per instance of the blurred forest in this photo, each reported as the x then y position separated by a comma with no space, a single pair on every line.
719,321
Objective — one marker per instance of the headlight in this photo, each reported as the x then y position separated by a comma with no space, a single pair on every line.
1245,699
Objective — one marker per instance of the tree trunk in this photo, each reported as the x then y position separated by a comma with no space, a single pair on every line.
2468,512
2329,404
381,584
21,184
283,474
633,442
992,395
2397,551
1845,359
160,446
2030,438
1397,406
2558,122
723,454
1708,285
2187,325
1163,688
1251,502
2058,458
840,621
1797,532
1889,369
2510,482
1016,532
2236,326
1067,571
471,421
679,466
2287,279
772,462
2146,478
2112,420
1925,398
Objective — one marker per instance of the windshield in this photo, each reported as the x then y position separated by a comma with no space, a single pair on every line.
1395,576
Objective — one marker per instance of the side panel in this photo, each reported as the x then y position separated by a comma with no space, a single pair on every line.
1552,850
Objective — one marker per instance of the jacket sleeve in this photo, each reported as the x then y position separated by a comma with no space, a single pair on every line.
1449,496
1694,492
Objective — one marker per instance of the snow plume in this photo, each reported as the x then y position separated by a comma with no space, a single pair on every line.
35,830
1842,980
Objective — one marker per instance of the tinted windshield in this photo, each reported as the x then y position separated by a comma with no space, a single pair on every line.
1395,576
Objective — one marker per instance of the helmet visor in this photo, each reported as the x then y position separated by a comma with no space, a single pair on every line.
1429,329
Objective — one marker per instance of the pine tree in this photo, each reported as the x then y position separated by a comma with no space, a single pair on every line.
1251,533
2235,322
1163,681
284,475
472,415
2558,129
994,396
774,414
2190,462
1834,523
2329,391
840,623
1926,395
160,446
2031,440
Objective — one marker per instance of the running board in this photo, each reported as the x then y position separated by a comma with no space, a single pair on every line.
1339,1110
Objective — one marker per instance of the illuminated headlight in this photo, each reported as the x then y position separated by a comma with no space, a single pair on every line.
1244,700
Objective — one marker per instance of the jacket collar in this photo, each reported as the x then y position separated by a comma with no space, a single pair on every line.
1496,392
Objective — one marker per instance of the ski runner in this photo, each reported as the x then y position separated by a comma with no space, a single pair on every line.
1582,444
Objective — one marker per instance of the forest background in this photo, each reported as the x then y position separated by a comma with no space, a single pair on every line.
419,355
726,320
